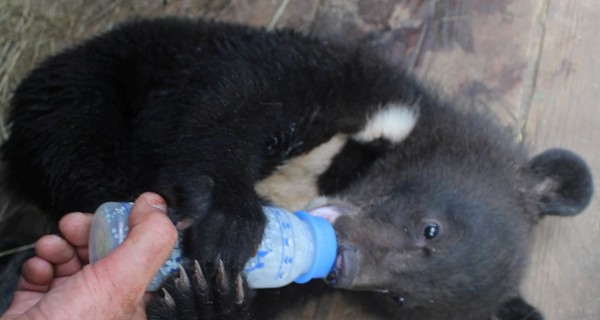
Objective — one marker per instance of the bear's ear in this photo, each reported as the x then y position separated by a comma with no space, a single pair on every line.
564,184
518,309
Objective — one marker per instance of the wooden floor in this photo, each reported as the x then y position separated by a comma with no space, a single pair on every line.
532,62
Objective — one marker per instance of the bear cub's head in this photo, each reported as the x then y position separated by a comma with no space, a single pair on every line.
443,220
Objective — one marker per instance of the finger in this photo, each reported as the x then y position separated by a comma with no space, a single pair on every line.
68,268
36,275
54,249
151,239
75,227
83,254
60,253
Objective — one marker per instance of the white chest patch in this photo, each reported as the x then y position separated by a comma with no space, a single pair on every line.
294,184
393,122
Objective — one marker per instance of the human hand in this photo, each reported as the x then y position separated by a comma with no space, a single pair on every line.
58,283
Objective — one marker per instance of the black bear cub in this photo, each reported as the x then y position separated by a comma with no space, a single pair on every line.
433,205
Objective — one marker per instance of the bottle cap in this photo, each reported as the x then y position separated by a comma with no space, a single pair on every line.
325,247
109,228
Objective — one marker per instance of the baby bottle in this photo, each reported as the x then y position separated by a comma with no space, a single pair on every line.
296,247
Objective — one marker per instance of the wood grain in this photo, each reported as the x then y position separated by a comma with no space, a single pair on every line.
564,279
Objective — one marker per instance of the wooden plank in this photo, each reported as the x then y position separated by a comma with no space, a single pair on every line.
485,52
564,279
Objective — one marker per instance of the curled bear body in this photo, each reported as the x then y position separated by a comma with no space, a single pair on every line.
433,204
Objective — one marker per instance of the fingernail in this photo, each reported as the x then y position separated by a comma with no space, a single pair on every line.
156,201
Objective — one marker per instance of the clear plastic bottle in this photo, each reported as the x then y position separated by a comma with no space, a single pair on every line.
295,247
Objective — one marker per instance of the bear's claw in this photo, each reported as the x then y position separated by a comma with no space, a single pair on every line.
183,281
168,299
190,293
198,277
222,278
239,289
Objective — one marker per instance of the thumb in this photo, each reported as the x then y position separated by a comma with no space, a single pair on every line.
151,238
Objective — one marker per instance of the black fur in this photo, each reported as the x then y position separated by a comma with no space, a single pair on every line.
200,111
349,164
517,308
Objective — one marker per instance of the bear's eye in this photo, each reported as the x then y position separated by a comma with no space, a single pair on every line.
431,231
